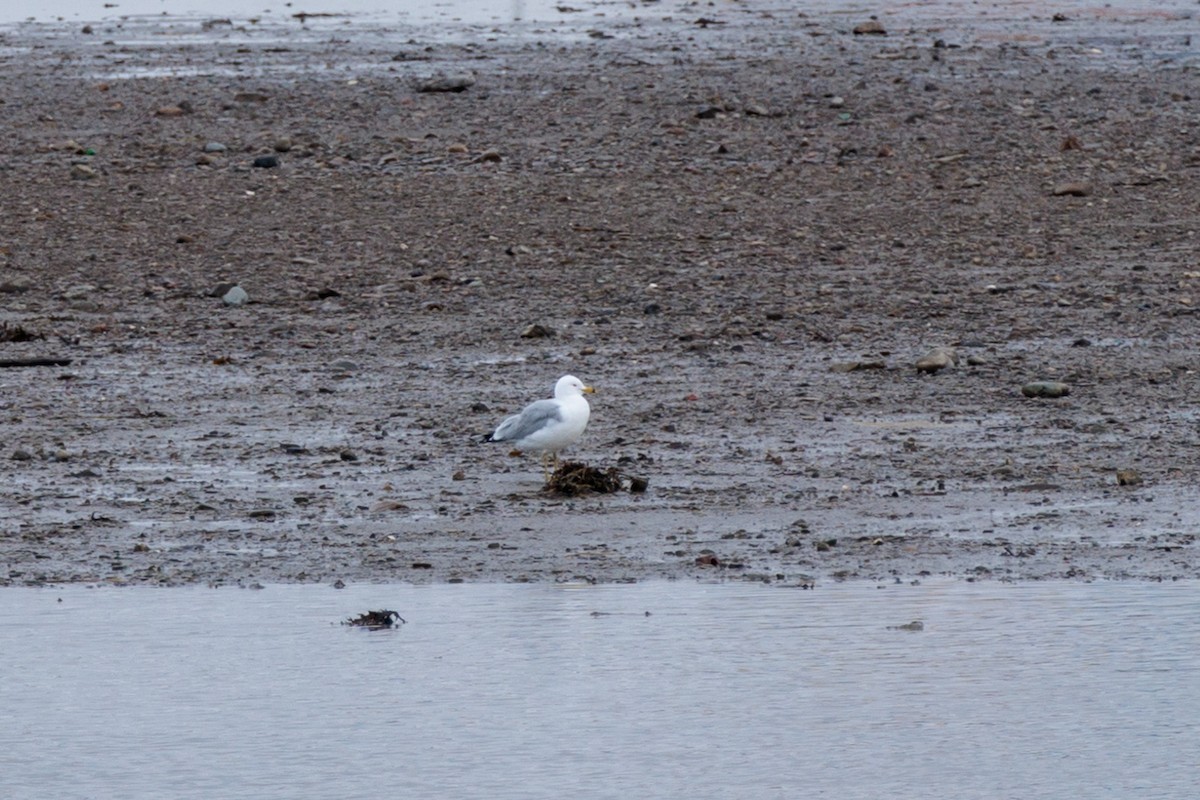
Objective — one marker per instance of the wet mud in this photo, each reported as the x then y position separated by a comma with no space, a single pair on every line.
743,224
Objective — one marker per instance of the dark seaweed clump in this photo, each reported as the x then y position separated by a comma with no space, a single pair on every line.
377,620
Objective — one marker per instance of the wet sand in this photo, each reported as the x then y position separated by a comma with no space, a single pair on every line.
743,224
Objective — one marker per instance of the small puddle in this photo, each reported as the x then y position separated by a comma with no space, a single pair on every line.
645,690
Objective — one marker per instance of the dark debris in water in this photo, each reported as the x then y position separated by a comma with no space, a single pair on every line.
377,620
573,478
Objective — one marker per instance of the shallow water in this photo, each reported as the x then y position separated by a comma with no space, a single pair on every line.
1033,690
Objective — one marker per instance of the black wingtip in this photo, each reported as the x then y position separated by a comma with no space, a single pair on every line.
487,437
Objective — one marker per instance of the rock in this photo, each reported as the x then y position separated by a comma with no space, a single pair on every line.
1072,189
937,359
250,97
447,83
215,147
1128,477
17,285
221,289
81,291
282,145
236,296
536,331
82,172
837,102
756,110
344,365
1050,389
492,156
22,455
871,27
266,162
458,148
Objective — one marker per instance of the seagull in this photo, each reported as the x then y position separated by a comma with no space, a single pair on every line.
548,426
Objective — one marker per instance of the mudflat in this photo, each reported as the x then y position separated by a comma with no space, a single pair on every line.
745,225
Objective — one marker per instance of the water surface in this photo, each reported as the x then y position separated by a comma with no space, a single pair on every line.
1035,690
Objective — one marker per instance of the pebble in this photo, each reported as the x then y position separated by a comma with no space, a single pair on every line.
22,455
837,102
447,83
79,292
17,285
1072,189
344,365
215,147
266,162
871,27
536,331
236,296
1128,477
937,359
1050,389
82,172
283,144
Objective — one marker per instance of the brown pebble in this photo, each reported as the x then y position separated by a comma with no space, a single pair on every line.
1128,477
1072,189
937,359
536,331
871,27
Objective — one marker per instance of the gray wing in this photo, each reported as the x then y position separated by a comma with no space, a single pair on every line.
532,419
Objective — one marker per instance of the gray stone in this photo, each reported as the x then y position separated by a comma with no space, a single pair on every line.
1051,389
447,83
235,297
